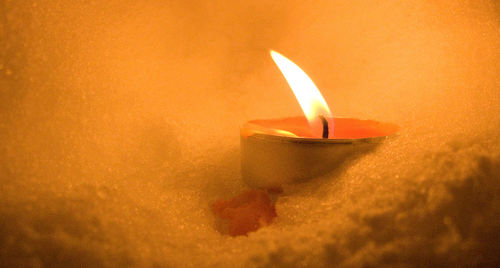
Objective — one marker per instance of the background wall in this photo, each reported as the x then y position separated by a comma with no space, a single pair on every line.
119,125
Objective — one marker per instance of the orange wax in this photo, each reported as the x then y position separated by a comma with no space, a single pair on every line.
344,128
246,212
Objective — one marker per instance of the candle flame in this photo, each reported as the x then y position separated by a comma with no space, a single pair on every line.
310,99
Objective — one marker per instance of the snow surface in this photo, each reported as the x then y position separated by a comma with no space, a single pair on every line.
119,126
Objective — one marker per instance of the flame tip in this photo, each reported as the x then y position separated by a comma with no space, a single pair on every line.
274,54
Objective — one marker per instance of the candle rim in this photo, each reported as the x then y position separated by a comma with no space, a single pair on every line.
261,133
278,138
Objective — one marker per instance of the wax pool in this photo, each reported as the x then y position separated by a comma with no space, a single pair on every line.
343,128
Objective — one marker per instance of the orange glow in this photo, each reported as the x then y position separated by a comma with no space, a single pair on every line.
310,99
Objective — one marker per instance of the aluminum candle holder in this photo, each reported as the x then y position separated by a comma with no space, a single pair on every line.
270,160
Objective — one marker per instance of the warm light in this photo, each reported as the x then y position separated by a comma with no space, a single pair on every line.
310,99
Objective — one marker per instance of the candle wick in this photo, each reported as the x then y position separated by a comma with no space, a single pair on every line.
325,127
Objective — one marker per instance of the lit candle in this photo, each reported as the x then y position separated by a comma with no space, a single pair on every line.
287,150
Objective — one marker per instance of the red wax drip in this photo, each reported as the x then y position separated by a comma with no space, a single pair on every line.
246,212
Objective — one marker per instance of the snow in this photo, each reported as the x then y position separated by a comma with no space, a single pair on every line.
119,127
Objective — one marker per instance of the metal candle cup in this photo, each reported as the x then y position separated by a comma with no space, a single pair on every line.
276,152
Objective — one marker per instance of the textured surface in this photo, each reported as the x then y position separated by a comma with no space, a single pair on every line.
119,126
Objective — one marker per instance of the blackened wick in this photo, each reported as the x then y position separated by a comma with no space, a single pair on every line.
325,127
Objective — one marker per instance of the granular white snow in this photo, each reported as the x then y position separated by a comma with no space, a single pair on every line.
119,126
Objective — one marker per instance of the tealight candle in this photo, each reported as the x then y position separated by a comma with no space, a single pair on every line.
275,152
